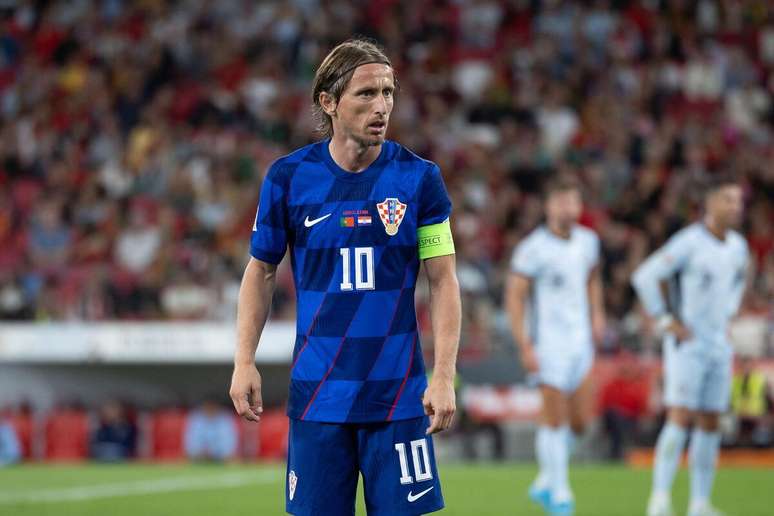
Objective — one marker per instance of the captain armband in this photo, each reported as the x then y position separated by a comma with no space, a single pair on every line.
435,240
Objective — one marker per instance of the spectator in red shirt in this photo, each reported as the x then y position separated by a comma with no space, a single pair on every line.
623,401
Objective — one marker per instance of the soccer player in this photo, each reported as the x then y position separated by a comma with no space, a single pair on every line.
358,213
555,270
706,265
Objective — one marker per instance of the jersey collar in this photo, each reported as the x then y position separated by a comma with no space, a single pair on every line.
372,170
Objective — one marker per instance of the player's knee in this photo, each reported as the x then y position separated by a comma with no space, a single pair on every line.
578,427
681,416
709,422
553,422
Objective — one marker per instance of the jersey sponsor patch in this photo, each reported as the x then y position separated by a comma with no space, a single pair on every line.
391,212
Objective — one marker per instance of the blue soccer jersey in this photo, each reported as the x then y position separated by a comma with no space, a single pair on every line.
353,248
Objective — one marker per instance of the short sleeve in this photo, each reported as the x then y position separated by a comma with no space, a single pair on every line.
674,254
434,203
594,249
269,239
525,259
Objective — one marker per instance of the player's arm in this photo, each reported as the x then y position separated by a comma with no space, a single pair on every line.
268,244
255,295
445,317
597,304
525,266
436,249
650,282
516,293
741,282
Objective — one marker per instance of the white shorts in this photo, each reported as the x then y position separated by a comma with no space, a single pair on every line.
697,376
564,368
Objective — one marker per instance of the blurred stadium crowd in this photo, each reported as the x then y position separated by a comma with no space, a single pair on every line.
134,136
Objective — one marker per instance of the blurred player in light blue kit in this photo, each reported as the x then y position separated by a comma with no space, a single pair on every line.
555,284
702,270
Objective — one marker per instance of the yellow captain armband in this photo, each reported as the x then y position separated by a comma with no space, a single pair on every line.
435,240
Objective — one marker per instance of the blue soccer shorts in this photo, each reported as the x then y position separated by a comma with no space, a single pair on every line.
395,458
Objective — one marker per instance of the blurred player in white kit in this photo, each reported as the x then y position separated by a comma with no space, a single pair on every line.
702,271
555,284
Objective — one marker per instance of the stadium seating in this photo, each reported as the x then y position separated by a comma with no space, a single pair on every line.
267,440
67,436
167,428
23,425
273,433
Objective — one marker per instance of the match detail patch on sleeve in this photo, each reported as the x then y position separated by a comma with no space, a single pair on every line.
435,240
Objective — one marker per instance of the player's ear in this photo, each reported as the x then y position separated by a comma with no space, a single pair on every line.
328,103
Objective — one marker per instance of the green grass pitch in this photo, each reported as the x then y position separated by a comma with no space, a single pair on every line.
205,490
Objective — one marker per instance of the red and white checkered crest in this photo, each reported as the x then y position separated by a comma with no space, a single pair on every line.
292,481
391,212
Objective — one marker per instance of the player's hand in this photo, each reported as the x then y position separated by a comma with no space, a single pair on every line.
679,330
246,392
529,358
440,404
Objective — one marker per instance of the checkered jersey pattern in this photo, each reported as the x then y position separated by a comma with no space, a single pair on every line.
357,355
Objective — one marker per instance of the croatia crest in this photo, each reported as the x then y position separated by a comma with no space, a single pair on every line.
391,211
292,481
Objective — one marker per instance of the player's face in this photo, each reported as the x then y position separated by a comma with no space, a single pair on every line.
563,208
363,111
726,205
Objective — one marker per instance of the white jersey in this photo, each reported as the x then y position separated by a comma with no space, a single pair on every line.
559,269
708,278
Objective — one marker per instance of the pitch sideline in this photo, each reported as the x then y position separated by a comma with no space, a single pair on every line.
140,488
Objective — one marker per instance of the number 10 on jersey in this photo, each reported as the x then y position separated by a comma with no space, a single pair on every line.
364,268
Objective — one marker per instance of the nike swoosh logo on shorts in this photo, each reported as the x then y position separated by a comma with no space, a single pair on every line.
414,497
309,223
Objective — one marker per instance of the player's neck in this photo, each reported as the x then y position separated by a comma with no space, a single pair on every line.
559,231
351,155
717,229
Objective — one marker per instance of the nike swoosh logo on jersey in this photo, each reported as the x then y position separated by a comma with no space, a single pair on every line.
309,223
414,497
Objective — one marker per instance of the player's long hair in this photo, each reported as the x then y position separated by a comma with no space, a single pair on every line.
336,70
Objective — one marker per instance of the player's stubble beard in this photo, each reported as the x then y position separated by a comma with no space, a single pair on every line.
726,219
565,226
562,223
369,140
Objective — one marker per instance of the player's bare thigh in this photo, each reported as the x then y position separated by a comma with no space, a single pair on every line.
554,411
575,408
581,405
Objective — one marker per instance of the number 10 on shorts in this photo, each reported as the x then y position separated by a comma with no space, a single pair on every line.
421,460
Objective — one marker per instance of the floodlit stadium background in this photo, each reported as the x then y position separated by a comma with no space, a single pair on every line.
134,137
